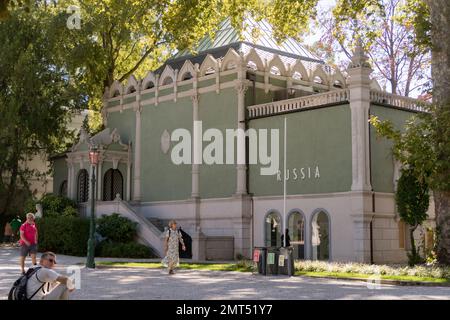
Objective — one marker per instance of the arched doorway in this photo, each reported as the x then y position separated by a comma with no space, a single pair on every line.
296,226
83,186
188,243
112,184
320,236
63,189
272,227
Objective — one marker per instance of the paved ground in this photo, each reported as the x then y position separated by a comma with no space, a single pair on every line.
127,283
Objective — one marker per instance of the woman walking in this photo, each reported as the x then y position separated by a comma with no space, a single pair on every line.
171,240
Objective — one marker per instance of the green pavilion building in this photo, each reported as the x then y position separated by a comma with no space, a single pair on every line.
340,177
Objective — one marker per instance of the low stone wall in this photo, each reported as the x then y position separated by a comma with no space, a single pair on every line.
219,248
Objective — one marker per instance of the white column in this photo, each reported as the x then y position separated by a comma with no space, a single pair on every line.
69,179
137,149
241,168
100,179
128,194
195,192
359,84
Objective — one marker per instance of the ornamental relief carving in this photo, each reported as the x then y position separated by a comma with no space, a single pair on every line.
165,141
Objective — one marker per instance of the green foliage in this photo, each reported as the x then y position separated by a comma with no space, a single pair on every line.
37,96
417,15
423,145
123,250
63,235
53,205
412,198
116,228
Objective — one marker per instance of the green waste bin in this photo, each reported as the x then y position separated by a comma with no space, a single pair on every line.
286,261
260,258
272,260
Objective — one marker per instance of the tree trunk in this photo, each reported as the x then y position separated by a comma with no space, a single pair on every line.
413,242
440,72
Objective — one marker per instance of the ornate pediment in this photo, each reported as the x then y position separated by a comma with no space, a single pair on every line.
104,139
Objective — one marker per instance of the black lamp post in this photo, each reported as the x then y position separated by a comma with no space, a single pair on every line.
93,158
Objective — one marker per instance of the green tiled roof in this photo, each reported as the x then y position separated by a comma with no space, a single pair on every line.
227,36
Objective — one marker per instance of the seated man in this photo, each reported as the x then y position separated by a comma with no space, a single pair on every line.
43,284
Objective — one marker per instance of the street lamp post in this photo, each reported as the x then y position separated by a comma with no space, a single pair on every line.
90,261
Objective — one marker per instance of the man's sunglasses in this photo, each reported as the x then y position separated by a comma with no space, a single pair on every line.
52,260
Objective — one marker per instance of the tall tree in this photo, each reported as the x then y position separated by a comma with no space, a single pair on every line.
389,38
426,143
439,11
36,97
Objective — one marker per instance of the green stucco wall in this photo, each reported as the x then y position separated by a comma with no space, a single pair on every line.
125,124
160,178
218,111
381,160
59,173
319,137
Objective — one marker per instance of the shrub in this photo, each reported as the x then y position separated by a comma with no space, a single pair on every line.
63,234
116,228
53,205
432,271
123,250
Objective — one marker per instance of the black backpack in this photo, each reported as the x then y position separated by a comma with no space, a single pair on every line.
19,288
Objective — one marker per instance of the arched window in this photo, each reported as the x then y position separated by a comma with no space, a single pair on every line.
296,226
131,90
272,227
83,186
297,76
320,236
252,66
338,84
209,71
149,85
167,80
112,184
186,76
274,70
116,93
63,189
231,65
318,80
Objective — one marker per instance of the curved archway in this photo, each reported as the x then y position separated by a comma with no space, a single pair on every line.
167,80
112,184
149,81
272,229
231,60
297,232
186,76
83,186
320,235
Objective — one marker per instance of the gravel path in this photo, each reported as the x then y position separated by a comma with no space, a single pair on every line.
138,283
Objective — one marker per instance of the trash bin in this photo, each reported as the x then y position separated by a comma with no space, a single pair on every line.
286,261
260,258
272,260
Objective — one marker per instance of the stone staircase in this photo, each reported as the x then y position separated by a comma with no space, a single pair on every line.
148,232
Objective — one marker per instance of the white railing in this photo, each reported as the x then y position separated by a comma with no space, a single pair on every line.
313,100
397,101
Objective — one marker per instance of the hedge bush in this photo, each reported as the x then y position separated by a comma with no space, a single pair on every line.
123,250
116,228
63,235
54,205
